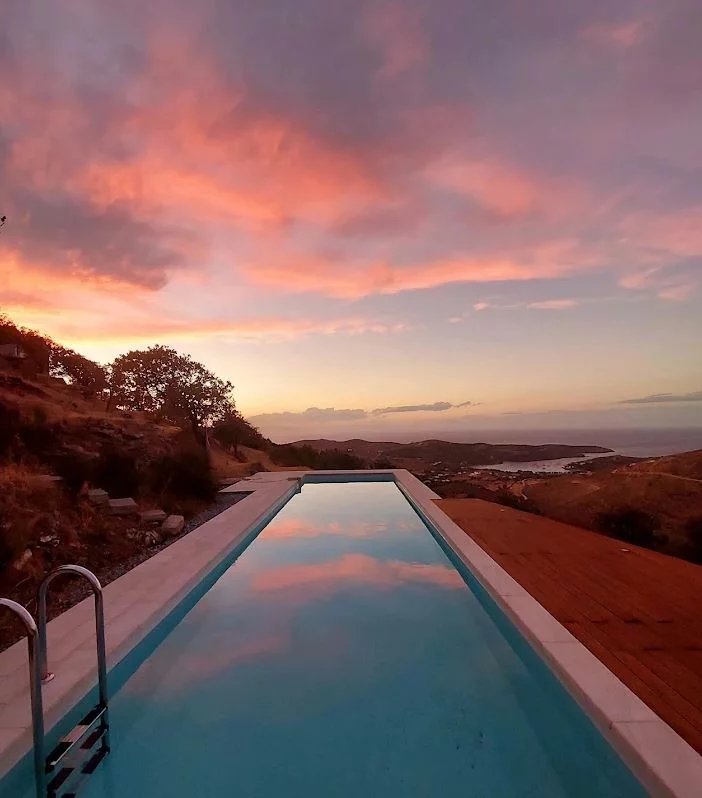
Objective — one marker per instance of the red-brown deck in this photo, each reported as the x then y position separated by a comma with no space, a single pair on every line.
640,612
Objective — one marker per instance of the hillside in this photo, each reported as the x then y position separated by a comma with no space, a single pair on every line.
687,465
421,455
668,489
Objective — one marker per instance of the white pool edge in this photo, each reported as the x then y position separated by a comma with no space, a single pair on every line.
137,602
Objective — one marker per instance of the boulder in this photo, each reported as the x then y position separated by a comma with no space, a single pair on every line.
98,496
152,516
173,525
123,506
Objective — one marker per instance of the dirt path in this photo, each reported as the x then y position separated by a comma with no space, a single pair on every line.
633,473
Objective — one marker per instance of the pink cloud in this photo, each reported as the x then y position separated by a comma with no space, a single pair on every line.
624,34
553,304
543,304
256,329
310,581
354,280
679,293
500,187
396,32
296,528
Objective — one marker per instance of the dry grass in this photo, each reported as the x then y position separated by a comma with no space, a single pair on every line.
580,499
29,510
687,465
225,465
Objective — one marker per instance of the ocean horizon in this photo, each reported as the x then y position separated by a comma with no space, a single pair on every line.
632,442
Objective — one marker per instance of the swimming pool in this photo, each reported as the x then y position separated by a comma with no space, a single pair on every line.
344,654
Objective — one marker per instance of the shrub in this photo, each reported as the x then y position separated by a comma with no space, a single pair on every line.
117,473
693,530
75,468
336,459
38,437
185,472
288,455
27,509
629,524
10,423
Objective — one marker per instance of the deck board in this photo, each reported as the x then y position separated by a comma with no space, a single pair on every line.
638,611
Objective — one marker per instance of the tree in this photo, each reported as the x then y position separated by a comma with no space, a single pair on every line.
90,376
50,357
233,430
172,386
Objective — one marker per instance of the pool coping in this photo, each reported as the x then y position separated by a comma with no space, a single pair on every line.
139,600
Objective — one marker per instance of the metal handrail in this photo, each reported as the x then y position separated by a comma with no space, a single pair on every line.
46,676
35,692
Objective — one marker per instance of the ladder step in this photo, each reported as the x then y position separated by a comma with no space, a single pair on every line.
73,737
92,738
58,780
94,761
87,770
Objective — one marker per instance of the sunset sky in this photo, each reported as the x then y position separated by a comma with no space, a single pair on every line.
370,216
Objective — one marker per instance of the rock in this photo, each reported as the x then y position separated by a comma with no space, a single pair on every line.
153,516
49,540
98,496
21,561
173,525
123,506
152,537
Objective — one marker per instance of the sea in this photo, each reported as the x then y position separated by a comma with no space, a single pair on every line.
629,442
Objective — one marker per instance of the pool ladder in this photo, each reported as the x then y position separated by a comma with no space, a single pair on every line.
78,752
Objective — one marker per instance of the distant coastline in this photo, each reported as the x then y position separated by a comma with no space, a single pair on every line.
632,442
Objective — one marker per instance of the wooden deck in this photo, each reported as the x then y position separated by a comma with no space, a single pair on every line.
640,612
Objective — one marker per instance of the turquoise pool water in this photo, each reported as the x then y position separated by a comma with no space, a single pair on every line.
343,654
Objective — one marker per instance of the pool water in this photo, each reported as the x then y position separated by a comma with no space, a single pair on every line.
343,654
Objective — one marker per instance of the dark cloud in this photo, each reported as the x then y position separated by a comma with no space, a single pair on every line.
435,407
314,414
663,398
69,234
323,414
